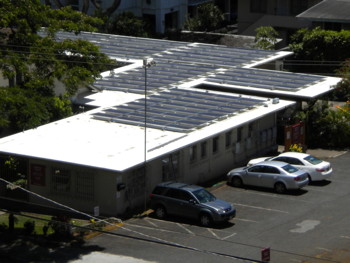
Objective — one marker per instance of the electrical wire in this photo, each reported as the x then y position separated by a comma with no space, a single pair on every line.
145,237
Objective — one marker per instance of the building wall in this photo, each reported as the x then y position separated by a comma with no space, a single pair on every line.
85,188
280,14
81,188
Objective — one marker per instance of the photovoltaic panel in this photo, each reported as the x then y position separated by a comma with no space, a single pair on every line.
161,75
265,79
179,110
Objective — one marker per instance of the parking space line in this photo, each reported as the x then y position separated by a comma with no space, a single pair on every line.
262,208
272,195
233,234
348,237
215,235
185,228
246,220
151,228
150,222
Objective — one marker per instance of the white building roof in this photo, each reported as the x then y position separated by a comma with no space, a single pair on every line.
84,140
180,110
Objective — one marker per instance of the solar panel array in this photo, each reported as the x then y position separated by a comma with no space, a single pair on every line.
178,110
175,109
162,75
125,47
265,79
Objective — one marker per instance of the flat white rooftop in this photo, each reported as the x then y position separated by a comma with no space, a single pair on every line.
85,140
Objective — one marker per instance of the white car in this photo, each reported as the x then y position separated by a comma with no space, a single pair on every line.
316,169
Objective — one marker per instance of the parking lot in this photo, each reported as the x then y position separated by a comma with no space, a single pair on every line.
310,225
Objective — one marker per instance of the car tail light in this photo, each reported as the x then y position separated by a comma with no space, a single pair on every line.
321,170
298,178
150,196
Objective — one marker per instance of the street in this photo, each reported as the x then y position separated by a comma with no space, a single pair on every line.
311,225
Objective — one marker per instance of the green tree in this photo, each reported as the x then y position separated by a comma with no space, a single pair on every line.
342,89
209,17
33,62
319,51
99,5
329,127
127,24
266,37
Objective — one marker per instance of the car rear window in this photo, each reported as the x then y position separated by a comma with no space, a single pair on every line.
312,159
289,168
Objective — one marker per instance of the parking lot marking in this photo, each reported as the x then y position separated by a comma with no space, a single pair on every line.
246,220
212,232
272,195
348,237
233,234
305,226
185,228
150,222
262,208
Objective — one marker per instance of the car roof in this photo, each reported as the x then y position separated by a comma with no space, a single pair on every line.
294,154
177,185
272,163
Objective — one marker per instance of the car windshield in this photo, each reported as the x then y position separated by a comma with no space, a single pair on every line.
312,159
289,168
204,196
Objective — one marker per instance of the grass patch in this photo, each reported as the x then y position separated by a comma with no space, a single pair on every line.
39,220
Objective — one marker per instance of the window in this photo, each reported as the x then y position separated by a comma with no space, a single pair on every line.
170,167
203,149
271,170
60,180
228,139
136,183
84,187
193,153
73,3
215,144
256,169
239,134
258,6
250,130
293,161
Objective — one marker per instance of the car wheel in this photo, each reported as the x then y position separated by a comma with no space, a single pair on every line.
310,180
236,181
160,212
280,188
205,220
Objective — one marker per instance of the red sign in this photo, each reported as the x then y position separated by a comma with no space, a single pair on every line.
37,174
265,254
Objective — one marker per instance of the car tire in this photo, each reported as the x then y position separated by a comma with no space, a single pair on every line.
310,180
280,188
205,219
236,181
160,212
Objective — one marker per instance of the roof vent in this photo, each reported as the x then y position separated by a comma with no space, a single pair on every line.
275,101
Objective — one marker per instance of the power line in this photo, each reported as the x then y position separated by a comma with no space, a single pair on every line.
146,238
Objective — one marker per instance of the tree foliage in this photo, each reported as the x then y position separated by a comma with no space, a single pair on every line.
342,89
266,37
32,61
98,5
329,127
320,51
127,24
209,17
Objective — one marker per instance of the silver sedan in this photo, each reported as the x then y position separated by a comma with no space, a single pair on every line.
316,169
280,176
